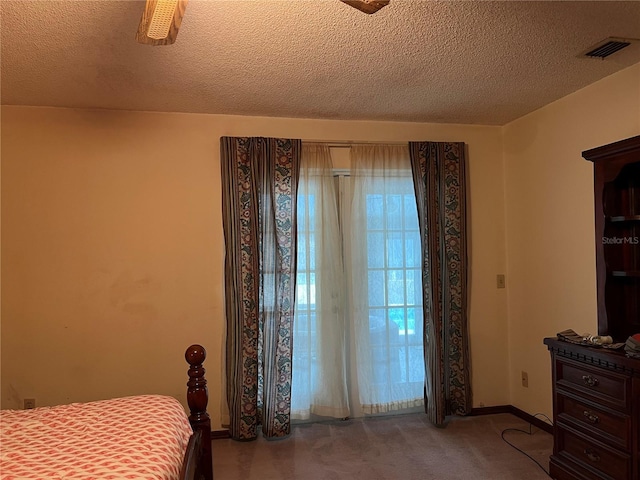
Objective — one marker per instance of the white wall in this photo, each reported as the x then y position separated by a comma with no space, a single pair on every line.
550,222
112,248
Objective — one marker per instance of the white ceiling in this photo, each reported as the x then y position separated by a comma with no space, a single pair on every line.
477,62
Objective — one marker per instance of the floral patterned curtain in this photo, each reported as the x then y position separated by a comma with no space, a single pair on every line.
440,185
259,190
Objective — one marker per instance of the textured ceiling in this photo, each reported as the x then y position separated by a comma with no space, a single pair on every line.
478,62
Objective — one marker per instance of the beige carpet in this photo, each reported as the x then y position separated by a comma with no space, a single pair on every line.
387,448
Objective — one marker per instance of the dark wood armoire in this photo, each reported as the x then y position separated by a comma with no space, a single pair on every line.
596,392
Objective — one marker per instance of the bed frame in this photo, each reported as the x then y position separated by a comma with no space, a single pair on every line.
198,462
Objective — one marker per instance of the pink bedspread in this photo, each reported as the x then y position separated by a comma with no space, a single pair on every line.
141,437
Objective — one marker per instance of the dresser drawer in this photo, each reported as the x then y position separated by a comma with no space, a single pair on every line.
595,384
592,458
612,427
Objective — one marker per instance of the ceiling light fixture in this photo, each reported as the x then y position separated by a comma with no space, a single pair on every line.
160,21
367,6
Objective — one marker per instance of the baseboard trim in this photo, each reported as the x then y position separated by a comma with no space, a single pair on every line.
220,434
490,410
535,421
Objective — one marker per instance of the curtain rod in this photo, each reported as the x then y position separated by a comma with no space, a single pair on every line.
349,143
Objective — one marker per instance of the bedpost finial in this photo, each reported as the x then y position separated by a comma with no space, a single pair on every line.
195,355
197,398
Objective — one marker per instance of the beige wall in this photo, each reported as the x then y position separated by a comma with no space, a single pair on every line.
550,222
112,248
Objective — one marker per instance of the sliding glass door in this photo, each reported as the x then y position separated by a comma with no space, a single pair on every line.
358,305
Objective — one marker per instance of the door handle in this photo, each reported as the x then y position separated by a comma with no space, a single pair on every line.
591,417
590,381
591,455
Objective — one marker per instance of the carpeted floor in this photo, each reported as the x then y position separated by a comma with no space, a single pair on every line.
388,448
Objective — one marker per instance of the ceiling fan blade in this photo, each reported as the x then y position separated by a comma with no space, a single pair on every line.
160,21
367,6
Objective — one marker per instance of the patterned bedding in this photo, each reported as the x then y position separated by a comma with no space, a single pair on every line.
142,437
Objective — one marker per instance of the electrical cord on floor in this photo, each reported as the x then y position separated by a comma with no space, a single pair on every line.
530,432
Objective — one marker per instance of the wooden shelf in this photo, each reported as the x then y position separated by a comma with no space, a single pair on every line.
623,218
625,273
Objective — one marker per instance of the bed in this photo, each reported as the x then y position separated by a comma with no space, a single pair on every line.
141,437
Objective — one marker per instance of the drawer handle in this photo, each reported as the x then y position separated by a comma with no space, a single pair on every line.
591,417
591,455
590,381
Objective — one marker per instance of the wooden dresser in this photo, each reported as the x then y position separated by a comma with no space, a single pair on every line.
596,392
596,410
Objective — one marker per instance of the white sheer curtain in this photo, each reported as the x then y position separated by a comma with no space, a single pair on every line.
375,300
384,270
319,385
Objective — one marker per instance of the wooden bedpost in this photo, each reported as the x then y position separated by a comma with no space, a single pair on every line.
197,398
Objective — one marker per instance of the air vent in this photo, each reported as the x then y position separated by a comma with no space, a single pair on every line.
607,47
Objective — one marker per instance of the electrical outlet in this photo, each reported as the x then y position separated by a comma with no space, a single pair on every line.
525,379
29,403
500,280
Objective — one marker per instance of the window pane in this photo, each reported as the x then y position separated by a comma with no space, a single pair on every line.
380,366
302,328
410,213
394,212
413,252
375,249
375,212
302,295
312,290
312,251
301,209
395,253
402,361
376,288
377,327
395,287
414,287
412,328
302,251
416,364
377,331
396,315
394,366
312,212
